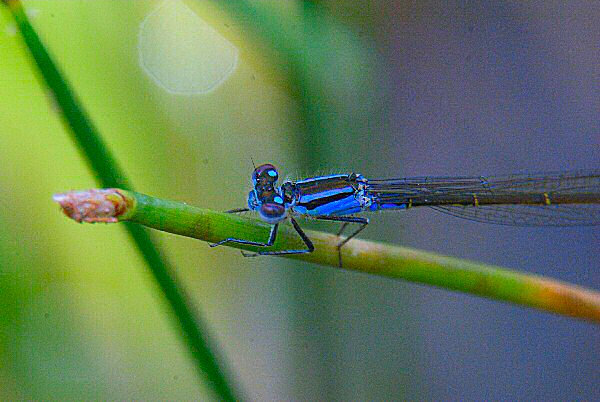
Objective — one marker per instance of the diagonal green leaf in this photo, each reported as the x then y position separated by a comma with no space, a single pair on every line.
108,173
493,282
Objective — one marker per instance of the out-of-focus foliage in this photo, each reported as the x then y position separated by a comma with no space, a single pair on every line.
80,305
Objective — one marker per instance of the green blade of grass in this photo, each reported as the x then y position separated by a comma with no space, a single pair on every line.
493,282
108,173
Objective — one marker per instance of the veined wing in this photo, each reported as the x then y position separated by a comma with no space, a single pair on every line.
546,199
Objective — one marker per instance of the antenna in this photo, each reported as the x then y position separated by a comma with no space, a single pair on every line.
253,165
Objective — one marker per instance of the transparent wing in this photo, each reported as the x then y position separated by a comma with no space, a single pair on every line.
546,199
528,215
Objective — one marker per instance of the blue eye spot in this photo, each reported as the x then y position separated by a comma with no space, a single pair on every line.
278,200
272,173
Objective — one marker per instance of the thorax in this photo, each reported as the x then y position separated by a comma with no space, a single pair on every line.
325,195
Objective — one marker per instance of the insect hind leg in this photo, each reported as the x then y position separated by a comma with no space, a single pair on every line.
346,220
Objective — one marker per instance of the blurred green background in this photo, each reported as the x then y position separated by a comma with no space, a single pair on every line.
187,92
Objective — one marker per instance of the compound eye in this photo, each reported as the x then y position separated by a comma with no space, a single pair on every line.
272,213
266,172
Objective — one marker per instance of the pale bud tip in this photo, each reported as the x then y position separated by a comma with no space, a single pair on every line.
104,205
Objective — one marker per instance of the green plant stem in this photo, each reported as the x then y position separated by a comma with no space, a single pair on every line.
108,173
484,280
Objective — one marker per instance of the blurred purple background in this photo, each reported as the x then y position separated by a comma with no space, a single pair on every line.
480,88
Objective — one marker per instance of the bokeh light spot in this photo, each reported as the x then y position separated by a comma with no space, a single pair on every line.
182,53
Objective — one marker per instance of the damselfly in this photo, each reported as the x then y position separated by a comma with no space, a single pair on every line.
547,199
